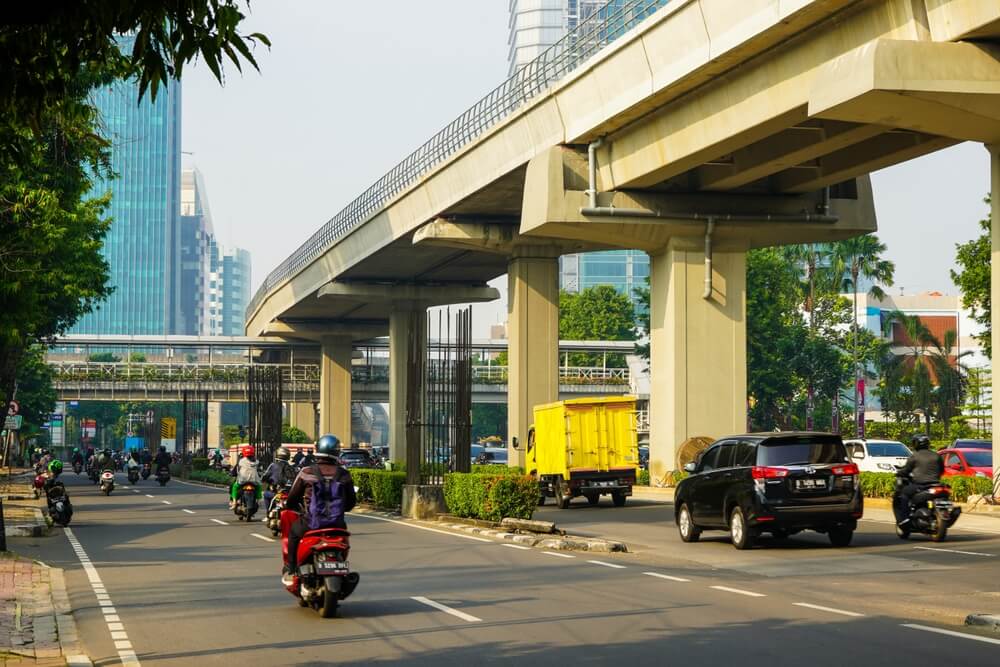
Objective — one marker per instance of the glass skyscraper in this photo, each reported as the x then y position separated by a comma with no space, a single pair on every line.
229,291
143,244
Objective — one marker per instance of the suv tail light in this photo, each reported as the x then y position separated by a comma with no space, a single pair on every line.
849,469
764,472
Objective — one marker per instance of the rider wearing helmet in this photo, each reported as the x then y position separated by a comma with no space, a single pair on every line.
279,474
923,469
77,456
327,468
162,459
245,473
105,461
55,468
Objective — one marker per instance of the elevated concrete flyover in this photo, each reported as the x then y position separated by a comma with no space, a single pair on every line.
691,129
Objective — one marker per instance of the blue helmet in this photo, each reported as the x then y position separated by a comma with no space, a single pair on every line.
328,446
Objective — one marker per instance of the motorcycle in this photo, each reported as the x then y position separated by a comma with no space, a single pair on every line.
246,502
77,467
931,511
92,473
275,508
163,476
60,509
147,470
107,482
325,576
133,475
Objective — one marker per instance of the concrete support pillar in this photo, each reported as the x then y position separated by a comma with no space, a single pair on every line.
994,150
697,349
303,416
214,426
533,332
335,387
407,336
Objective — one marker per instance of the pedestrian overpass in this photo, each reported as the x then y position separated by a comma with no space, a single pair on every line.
691,129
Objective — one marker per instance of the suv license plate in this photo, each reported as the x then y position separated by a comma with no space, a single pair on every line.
810,484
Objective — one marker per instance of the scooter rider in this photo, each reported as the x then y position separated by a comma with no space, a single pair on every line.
246,473
162,459
924,469
105,461
328,468
77,457
279,474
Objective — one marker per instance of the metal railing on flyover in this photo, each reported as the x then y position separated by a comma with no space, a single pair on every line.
590,36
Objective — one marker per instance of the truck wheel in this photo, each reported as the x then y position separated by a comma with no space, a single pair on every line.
618,498
593,499
562,495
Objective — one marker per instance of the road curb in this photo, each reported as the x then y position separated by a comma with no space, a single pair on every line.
37,527
545,541
988,621
69,636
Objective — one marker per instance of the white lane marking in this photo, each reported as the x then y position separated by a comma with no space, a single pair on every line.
515,546
261,537
951,633
448,610
842,612
558,555
955,551
665,576
166,502
136,491
188,511
432,530
150,496
738,591
221,523
601,562
116,628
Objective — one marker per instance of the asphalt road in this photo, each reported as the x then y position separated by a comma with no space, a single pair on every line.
172,584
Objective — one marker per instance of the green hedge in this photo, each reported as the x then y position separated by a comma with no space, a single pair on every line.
211,476
490,497
495,469
383,488
199,463
883,485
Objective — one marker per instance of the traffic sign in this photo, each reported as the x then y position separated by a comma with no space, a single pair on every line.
13,422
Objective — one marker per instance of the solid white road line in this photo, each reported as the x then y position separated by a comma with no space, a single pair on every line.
188,511
166,502
558,555
738,591
817,607
448,610
951,633
665,576
116,628
262,537
955,551
432,530
601,562
221,523
515,546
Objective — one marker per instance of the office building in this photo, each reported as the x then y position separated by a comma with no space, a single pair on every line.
197,243
228,290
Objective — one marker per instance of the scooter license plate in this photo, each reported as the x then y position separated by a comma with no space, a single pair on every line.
332,567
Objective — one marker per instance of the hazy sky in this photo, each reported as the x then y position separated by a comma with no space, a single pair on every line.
350,88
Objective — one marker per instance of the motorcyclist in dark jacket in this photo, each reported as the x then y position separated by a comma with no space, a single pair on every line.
278,475
923,469
162,459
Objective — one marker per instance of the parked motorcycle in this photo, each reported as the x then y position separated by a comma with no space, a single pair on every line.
275,509
147,470
163,476
931,511
325,576
60,509
107,482
246,502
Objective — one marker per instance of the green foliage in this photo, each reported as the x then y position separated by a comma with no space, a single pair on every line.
34,388
231,435
642,318
883,485
973,279
176,470
382,488
491,497
878,484
596,313
137,358
103,357
199,463
489,419
642,479
291,434
496,469
211,477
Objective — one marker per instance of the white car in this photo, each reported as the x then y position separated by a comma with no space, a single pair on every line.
877,455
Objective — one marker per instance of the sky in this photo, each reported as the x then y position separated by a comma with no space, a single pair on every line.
350,88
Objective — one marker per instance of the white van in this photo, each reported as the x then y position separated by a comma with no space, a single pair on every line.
877,455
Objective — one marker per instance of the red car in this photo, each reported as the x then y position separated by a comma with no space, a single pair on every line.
967,462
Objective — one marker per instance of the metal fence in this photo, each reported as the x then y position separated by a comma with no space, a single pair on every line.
602,28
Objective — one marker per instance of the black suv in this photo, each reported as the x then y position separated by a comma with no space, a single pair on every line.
356,458
780,483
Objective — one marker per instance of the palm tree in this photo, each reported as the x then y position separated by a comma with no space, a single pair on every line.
854,259
952,377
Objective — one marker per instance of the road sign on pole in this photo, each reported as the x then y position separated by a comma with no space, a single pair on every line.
13,422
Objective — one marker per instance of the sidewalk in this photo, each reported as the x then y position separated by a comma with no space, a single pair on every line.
36,627
23,514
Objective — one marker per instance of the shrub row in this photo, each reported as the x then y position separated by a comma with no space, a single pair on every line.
883,485
495,469
199,463
211,476
382,488
491,497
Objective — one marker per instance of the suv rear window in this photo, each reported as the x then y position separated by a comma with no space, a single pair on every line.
800,451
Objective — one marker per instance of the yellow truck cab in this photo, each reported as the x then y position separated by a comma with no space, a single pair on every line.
584,447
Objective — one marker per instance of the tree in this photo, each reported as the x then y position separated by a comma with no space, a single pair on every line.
489,419
292,434
642,318
45,51
105,357
951,377
35,393
974,280
597,313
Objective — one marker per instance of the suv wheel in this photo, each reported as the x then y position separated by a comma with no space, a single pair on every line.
739,531
840,536
685,526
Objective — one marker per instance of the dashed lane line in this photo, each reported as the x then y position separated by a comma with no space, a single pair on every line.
221,523
842,612
956,551
116,629
262,537
951,633
166,502
666,576
189,511
150,496
558,555
605,564
516,546
738,591
448,610
432,530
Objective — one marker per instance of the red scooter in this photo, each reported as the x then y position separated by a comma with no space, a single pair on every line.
325,577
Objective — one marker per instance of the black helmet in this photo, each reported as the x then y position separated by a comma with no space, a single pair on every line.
282,454
328,447
162,448
921,441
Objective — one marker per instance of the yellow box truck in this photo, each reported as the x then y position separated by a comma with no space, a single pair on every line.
584,447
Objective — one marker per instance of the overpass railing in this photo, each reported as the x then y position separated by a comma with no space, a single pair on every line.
590,36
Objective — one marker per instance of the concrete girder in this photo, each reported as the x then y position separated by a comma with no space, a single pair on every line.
315,330
410,295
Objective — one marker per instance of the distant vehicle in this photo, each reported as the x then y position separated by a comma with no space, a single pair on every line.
969,443
357,458
644,457
780,483
877,455
967,462
491,455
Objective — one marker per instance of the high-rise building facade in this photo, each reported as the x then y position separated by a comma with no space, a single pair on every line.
535,25
143,244
197,243
229,291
